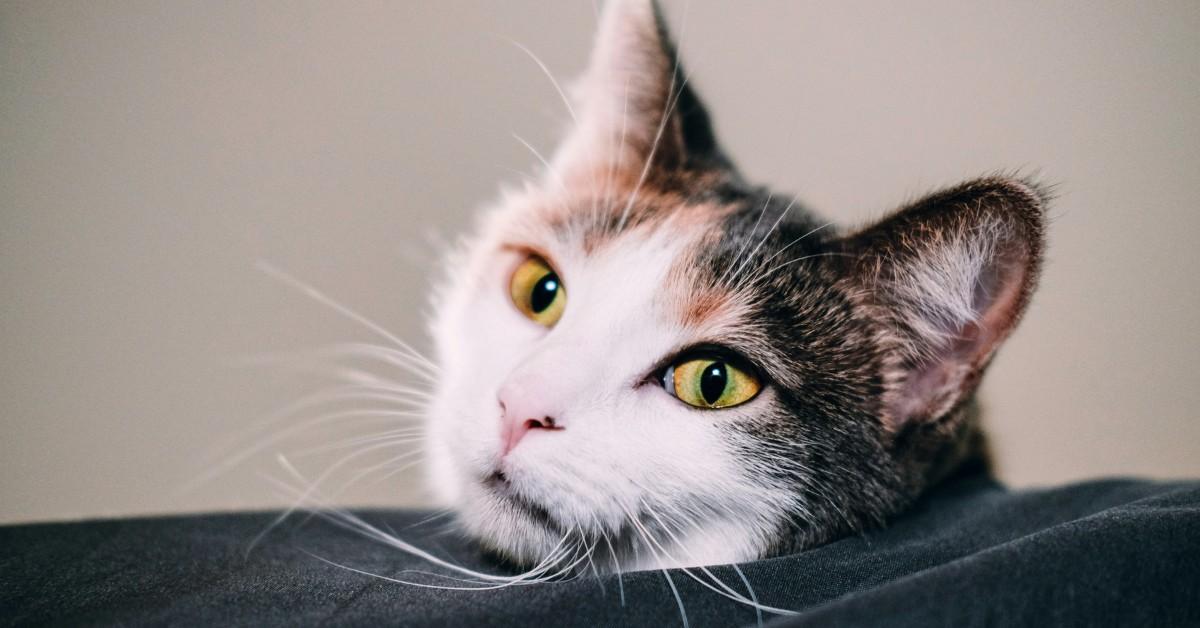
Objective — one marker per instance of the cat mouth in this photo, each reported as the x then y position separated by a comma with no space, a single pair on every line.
499,486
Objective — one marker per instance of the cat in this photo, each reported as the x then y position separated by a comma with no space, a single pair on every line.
646,352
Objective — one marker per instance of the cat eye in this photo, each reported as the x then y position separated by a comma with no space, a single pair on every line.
710,383
537,291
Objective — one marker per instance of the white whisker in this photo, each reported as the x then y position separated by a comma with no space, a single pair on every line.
546,164
766,235
753,597
352,522
678,598
672,97
723,590
545,70
409,363
789,244
235,459
320,297
771,271
396,437
737,258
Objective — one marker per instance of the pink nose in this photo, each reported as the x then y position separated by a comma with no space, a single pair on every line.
520,415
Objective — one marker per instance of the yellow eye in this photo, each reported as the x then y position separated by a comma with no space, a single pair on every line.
537,291
710,383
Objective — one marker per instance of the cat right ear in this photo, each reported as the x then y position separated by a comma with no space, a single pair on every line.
635,112
949,278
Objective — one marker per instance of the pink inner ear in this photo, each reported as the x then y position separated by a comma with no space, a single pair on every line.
998,301
937,385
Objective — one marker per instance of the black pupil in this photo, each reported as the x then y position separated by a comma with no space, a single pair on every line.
543,293
712,382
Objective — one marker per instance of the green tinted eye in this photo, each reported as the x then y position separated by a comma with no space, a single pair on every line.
537,291
710,383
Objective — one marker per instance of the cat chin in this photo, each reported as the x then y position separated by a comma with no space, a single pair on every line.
523,536
521,531
529,534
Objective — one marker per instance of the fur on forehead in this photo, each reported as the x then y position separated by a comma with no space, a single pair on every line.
677,231
594,217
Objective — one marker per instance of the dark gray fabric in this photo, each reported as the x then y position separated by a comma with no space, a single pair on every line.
1112,552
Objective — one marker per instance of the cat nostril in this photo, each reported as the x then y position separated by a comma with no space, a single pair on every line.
511,433
544,423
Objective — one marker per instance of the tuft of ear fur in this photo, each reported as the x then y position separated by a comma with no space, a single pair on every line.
949,277
636,113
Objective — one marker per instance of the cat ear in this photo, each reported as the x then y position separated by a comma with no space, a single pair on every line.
950,276
635,111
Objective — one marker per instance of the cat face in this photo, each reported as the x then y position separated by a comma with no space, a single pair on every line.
644,351
623,441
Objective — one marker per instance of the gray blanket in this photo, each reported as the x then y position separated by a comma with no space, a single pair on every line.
1103,553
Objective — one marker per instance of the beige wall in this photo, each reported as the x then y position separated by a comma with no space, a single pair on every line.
151,152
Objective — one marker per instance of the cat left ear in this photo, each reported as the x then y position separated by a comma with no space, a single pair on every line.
634,108
949,277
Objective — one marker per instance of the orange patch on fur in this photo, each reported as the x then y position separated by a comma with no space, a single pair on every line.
703,306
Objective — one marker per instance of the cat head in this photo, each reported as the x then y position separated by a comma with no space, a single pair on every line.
643,350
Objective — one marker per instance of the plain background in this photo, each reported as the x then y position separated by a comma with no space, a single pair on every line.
151,153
